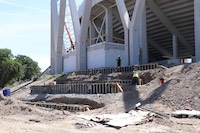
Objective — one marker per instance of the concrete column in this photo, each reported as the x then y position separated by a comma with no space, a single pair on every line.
138,35
59,52
109,25
81,48
75,18
197,28
174,42
54,34
124,16
144,59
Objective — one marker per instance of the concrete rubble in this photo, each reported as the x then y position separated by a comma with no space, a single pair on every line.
121,120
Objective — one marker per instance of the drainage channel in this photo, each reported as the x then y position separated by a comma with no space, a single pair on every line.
68,107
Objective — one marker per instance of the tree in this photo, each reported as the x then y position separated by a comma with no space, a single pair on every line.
5,54
31,67
10,70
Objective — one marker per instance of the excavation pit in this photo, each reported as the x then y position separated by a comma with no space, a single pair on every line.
69,104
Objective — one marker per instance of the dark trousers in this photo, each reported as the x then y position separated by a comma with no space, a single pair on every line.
135,81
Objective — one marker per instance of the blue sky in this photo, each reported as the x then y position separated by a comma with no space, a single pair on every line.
25,28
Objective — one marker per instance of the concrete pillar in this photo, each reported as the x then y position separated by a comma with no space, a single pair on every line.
124,16
59,52
144,59
174,42
197,28
109,25
138,35
81,47
54,34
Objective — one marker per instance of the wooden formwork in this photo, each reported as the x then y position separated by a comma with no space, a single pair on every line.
68,107
120,69
92,88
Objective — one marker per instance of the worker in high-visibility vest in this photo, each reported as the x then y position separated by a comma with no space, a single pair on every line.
135,78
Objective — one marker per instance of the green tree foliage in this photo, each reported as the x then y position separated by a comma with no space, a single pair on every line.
31,67
10,70
22,67
5,54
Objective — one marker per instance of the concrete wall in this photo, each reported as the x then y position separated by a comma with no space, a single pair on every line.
112,50
70,62
97,55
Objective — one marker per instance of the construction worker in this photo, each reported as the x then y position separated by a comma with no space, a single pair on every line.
135,78
118,61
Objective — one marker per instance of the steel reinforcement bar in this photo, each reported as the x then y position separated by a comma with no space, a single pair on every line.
120,69
68,107
93,88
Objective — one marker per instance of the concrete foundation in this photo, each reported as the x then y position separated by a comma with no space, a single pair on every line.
70,62
98,55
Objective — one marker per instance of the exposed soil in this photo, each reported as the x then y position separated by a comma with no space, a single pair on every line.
180,90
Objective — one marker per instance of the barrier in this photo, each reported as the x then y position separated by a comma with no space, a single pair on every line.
122,82
93,88
120,69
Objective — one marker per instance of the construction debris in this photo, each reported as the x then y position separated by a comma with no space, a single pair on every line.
186,114
121,120
159,114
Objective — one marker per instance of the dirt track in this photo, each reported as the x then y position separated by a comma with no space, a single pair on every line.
181,89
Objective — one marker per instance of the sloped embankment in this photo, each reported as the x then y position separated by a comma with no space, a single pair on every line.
183,89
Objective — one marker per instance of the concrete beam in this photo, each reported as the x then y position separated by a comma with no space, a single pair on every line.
82,46
197,28
169,25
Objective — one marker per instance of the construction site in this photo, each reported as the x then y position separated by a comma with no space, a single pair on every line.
89,92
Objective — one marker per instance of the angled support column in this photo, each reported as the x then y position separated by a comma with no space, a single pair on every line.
123,13
54,34
59,60
174,43
75,18
57,29
138,35
197,28
81,47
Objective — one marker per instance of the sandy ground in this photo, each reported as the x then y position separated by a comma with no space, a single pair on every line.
181,89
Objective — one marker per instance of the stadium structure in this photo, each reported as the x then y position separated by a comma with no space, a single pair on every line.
140,31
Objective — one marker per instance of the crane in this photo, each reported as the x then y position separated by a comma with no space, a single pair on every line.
71,42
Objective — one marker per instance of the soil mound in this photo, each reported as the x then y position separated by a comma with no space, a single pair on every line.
183,90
